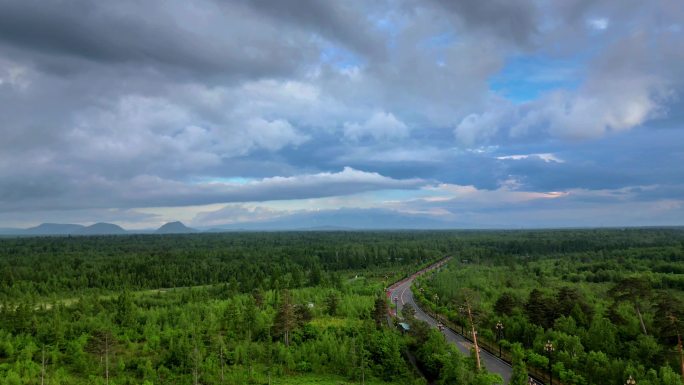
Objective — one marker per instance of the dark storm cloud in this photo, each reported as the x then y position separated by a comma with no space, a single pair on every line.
338,21
510,20
68,35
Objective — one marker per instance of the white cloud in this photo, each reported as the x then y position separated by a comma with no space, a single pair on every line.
546,157
599,23
611,103
14,75
380,126
165,134
625,85
606,106
480,128
273,135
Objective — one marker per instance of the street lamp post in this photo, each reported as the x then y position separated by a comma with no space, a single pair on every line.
499,335
630,381
548,348
396,306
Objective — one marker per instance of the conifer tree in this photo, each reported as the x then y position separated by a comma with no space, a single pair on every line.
332,302
101,343
286,318
380,311
635,290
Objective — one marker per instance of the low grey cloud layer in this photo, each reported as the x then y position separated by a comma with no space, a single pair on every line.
127,106
142,190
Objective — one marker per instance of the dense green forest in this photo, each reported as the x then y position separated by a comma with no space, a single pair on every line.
272,308
309,307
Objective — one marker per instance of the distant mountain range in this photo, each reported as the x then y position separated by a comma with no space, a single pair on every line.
67,229
326,220
174,228
53,229
94,229
344,219
101,229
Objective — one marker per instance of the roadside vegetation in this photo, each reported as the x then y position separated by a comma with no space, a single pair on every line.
597,306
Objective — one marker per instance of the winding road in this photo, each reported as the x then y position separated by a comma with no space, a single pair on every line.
402,292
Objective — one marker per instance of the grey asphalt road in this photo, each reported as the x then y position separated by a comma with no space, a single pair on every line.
402,292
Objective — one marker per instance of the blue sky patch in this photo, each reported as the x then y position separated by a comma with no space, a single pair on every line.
525,78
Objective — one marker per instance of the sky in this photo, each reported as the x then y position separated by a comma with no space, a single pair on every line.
396,113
